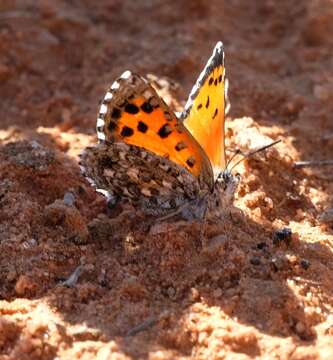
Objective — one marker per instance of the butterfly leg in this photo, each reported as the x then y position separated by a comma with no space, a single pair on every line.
171,214
191,210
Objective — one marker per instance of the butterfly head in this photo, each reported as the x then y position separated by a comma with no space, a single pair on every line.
223,194
226,181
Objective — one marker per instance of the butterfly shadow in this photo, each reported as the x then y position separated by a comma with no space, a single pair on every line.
149,285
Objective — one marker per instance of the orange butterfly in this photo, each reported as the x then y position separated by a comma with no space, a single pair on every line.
157,161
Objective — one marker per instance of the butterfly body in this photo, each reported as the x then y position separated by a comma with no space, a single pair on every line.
158,162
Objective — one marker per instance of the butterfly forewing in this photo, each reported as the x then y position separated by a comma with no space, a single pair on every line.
133,113
205,109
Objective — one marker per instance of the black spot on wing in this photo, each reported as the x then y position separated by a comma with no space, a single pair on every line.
168,116
180,146
112,126
126,131
190,161
199,106
207,102
215,113
131,109
215,82
142,127
164,131
220,78
147,108
116,113
211,80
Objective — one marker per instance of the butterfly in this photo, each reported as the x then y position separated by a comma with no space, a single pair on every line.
156,160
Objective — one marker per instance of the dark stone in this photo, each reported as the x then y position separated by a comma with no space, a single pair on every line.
282,235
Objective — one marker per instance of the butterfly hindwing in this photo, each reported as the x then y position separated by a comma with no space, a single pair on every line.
205,109
133,113
155,184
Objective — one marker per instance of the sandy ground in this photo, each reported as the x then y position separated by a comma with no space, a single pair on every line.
247,288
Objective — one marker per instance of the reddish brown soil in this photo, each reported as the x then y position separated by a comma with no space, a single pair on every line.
169,294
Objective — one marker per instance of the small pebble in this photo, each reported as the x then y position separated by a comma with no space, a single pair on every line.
112,201
194,294
218,293
255,261
171,292
261,245
279,263
29,244
305,264
300,328
69,199
25,286
73,278
282,235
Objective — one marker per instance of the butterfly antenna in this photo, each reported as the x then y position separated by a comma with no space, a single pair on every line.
251,153
237,152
